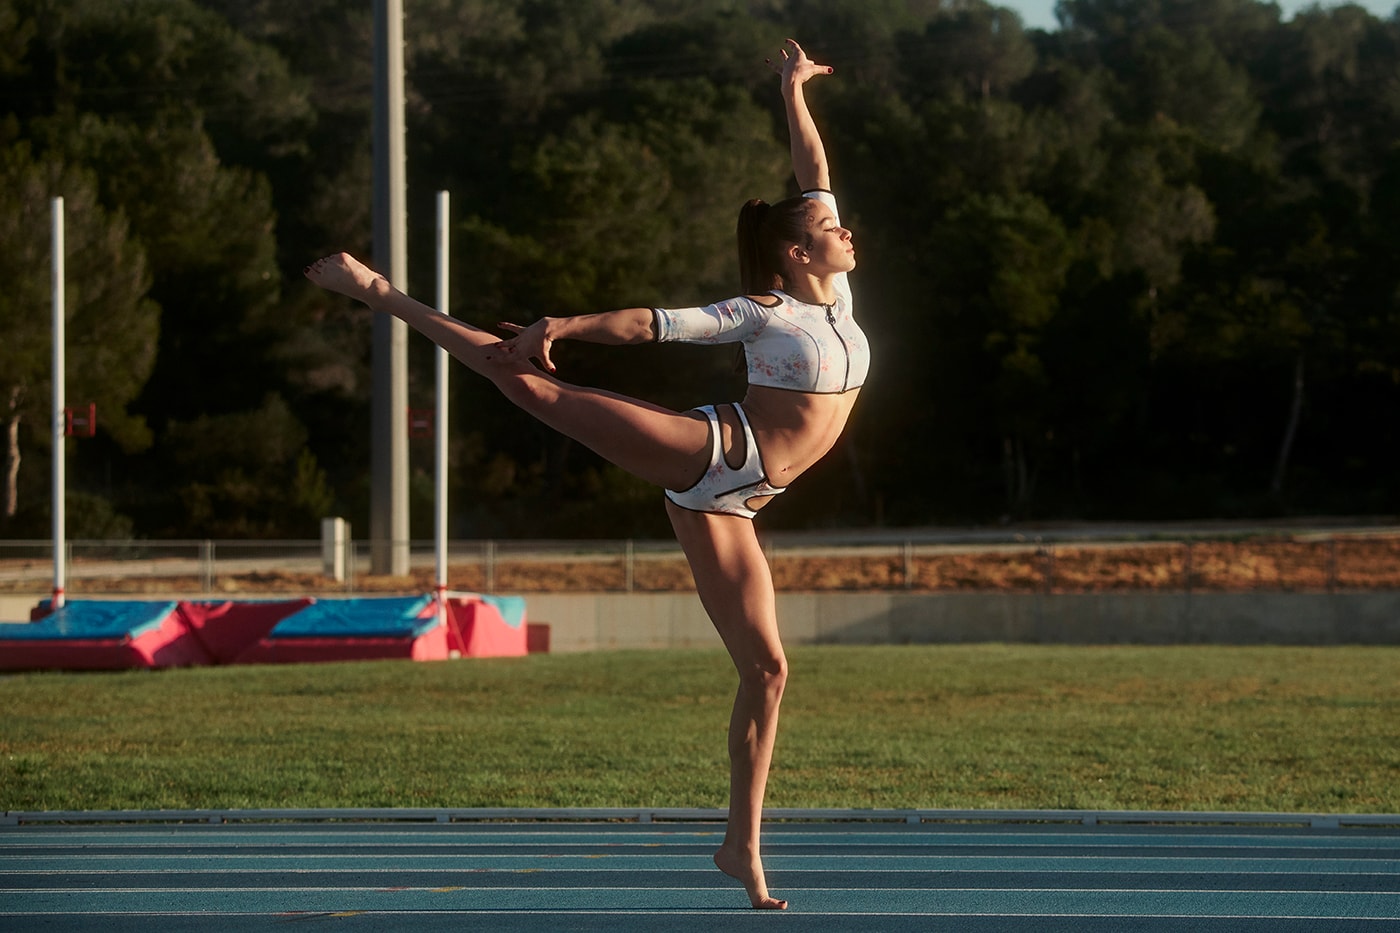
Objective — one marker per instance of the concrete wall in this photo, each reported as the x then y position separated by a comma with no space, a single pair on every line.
590,622
16,608
605,621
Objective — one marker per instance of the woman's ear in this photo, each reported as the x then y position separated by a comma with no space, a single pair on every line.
798,255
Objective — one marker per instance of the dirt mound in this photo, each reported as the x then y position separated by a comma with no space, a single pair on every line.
1283,563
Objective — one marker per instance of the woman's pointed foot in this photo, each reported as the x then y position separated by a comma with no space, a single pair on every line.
345,275
747,869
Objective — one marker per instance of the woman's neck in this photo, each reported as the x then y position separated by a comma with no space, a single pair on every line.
813,289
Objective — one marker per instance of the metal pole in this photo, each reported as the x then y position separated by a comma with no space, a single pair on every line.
60,425
440,428
206,565
491,566
389,538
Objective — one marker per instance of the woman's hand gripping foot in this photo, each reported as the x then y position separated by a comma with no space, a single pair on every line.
748,870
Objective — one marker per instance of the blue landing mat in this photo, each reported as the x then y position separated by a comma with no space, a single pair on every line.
95,619
658,877
370,617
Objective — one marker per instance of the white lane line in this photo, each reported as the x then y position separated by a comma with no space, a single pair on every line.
676,870
688,913
419,889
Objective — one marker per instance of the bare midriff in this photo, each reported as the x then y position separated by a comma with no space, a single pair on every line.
795,429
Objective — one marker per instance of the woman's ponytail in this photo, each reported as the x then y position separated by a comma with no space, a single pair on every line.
765,233
753,278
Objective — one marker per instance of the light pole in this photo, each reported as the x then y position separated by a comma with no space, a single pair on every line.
388,526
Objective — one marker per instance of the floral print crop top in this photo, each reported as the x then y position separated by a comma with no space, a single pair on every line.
789,344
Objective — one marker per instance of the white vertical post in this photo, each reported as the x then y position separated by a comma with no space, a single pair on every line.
334,534
440,413
60,422
389,525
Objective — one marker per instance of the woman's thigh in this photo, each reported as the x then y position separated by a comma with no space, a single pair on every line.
668,448
734,583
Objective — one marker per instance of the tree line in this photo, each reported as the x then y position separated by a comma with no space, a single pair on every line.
1142,266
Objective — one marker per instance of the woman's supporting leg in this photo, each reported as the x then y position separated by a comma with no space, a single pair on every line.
669,449
736,589
661,446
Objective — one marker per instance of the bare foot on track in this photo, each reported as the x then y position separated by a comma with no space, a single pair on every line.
748,870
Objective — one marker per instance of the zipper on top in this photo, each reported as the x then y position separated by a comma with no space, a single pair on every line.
831,319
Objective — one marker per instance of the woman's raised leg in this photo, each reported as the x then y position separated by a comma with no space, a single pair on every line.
661,446
736,588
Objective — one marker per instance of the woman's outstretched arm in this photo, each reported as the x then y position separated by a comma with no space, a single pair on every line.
630,325
808,154
346,275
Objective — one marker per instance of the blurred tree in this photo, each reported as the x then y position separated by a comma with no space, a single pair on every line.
621,211
1006,258
1139,265
136,94
976,51
111,323
249,474
1179,60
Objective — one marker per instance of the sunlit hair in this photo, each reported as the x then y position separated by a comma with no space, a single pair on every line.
765,233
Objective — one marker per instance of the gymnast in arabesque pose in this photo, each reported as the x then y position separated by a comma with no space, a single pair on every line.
719,464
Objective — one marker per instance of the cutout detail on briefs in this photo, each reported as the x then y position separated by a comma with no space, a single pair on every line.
727,490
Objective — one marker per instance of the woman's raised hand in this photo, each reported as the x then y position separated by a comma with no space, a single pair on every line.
795,65
530,343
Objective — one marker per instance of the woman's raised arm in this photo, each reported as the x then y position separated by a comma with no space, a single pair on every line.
808,154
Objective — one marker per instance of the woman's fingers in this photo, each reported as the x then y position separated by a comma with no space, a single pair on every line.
795,59
509,347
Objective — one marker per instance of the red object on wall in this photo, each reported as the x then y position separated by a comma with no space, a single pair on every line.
79,423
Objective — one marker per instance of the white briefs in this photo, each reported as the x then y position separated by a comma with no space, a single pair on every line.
724,489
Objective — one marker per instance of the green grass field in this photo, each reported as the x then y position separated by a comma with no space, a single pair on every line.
986,726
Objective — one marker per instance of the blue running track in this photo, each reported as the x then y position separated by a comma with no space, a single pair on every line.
624,871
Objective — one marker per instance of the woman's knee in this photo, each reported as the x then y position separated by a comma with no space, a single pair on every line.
767,677
528,390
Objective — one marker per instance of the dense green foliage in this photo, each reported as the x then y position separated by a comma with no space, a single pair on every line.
1142,266
917,726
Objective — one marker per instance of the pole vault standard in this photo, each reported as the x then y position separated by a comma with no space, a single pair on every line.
440,426
60,419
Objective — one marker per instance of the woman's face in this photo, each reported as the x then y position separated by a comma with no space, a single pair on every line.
829,249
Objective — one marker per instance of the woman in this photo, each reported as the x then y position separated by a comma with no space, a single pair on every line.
806,360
